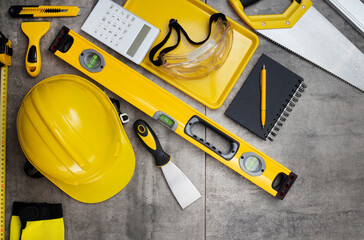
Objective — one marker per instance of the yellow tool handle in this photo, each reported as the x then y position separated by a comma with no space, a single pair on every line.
285,20
152,99
35,31
33,61
151,142
43,11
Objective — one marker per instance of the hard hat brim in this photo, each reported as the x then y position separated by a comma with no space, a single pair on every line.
112,182
114,170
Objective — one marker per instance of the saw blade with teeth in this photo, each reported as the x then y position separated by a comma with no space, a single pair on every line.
316,40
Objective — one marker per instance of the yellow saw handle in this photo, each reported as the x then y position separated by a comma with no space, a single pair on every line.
285,20
35,31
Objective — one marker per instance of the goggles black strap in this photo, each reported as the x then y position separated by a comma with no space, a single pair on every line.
173,24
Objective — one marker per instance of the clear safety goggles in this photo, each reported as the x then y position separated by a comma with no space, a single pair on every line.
201,61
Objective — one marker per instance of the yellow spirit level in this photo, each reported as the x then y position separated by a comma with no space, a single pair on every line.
171,112
6,52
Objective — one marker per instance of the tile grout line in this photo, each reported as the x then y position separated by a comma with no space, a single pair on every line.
205,183
205,229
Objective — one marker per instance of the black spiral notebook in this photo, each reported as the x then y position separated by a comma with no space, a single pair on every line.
284,88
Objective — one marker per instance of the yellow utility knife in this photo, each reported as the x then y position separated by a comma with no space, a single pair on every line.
44,11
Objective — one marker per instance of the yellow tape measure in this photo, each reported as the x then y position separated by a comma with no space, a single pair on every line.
5,60
4,88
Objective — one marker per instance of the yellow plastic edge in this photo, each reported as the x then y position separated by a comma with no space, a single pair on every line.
285,20
4,58
149,141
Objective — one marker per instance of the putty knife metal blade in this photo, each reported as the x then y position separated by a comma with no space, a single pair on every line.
182,188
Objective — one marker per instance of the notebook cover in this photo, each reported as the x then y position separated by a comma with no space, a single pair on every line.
282,84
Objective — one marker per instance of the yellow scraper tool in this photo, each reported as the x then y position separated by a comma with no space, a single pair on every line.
35,31
171,112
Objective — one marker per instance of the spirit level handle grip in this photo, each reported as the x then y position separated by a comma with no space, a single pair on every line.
273,21
234,145
247,3
151,142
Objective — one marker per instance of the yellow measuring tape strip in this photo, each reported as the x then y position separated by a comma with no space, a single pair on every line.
171,112
4,81
5,60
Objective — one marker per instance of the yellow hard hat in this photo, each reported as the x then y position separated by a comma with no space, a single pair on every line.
70,132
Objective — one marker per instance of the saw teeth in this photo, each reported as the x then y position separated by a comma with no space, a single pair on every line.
289,50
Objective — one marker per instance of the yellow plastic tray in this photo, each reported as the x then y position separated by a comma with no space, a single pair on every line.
193,15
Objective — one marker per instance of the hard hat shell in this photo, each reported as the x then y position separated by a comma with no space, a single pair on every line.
70,131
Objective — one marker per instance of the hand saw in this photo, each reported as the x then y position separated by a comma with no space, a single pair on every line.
44,11
352,10
6,52
301,29
171,112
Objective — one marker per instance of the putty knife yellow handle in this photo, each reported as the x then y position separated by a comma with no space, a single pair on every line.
285,20
34,31
151,142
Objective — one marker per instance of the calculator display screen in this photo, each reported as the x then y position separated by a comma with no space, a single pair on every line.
138,40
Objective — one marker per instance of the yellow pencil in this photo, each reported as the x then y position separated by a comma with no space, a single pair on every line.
263,84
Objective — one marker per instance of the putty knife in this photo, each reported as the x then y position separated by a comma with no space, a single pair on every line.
182,188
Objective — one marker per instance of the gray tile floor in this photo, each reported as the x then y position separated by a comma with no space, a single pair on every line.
322,141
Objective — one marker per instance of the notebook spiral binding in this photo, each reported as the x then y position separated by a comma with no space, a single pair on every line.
285,113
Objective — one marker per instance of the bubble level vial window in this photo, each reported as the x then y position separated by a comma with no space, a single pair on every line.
166,120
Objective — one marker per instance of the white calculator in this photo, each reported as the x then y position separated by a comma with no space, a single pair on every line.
121,30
